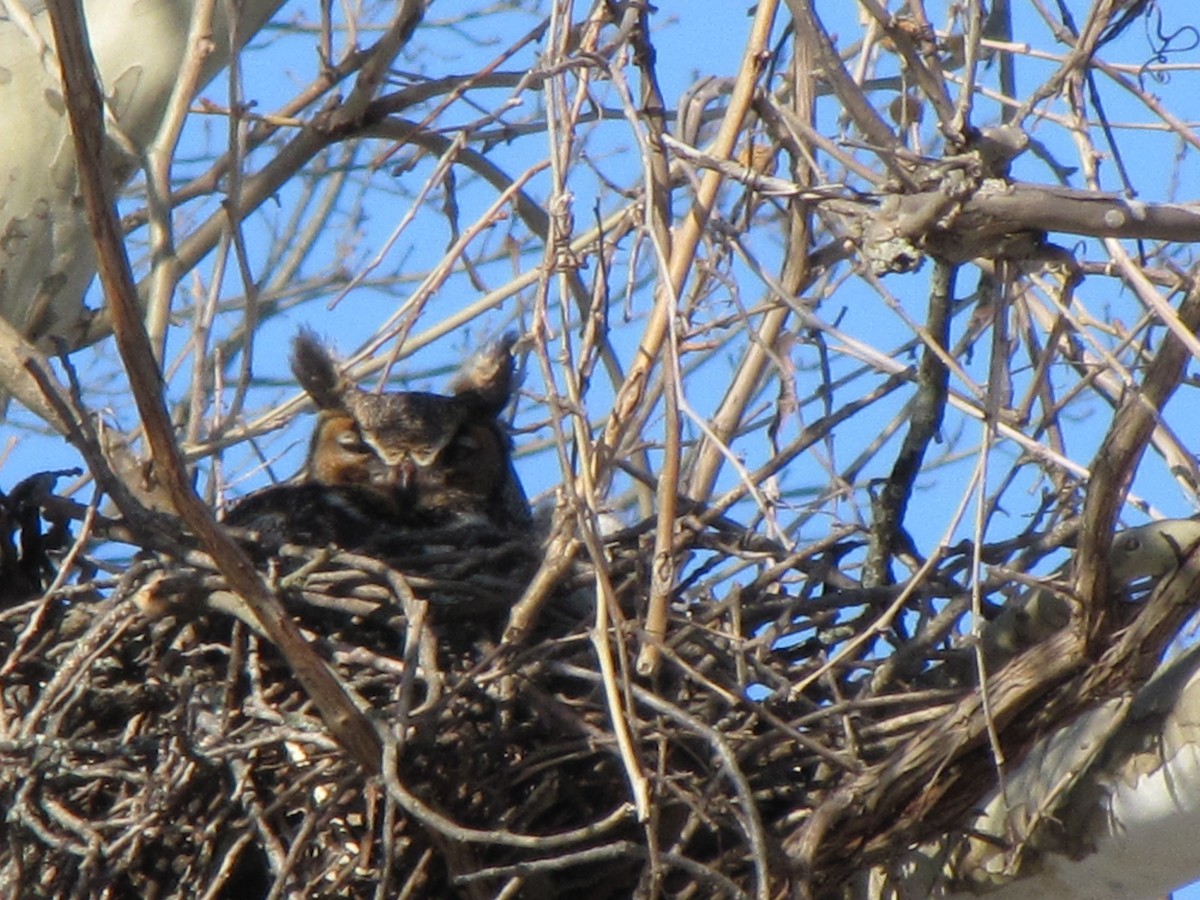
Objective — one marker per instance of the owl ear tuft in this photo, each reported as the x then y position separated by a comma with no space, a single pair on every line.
487,379
316,369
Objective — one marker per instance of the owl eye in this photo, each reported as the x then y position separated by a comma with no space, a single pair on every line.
424,458
349,440
464,445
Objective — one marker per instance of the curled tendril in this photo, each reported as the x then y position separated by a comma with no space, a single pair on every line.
1181,40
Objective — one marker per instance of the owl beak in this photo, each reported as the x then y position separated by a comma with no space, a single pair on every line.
404,476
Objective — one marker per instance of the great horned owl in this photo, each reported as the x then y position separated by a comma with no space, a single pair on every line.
437,460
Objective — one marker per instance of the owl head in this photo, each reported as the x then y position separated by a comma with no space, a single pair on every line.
438,458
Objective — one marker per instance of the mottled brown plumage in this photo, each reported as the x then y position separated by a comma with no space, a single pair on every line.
311,514
338,456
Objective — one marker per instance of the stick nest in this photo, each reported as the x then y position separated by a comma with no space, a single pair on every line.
173,754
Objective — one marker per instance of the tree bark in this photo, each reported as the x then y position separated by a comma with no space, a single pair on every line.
46,258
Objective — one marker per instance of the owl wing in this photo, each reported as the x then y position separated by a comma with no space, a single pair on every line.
311,514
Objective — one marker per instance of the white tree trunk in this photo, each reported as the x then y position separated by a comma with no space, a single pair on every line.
1106,808
46,259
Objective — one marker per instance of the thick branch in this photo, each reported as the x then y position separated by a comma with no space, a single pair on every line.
929,407
948,224
1119,455
82,96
